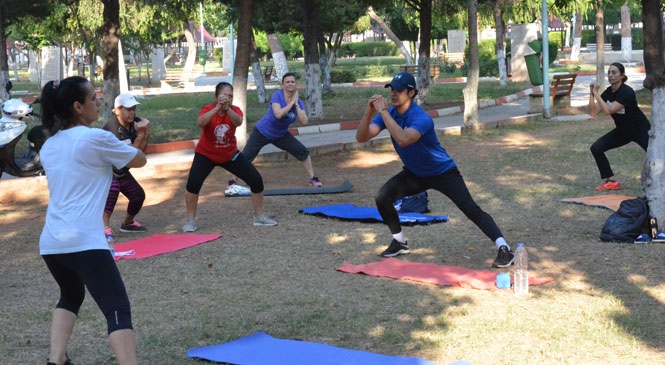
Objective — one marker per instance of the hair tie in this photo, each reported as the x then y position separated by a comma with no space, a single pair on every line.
56,84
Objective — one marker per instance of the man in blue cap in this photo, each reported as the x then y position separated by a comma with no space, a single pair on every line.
427,165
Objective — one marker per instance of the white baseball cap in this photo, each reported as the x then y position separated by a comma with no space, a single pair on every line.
125,100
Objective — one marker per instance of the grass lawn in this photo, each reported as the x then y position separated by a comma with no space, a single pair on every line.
173,116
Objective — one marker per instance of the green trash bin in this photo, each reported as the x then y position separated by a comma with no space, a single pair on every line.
534,69
202,57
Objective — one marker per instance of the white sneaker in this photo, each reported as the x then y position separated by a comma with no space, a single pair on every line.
263,221
236,189
190,225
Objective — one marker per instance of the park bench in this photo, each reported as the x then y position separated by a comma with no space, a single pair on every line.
593,47
172,79
560,88
455,57
267,73
434,70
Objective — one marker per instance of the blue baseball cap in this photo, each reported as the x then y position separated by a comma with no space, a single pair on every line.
402,81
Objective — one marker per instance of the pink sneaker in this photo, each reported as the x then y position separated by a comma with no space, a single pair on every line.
134,227
315,182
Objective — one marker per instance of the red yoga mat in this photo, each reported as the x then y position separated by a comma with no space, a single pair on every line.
158,244
431,273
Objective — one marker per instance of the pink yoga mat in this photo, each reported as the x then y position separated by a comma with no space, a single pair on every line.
158,244
431,273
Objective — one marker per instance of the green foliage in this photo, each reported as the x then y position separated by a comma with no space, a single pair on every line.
369,49
557,38
291,44
218,55
341,76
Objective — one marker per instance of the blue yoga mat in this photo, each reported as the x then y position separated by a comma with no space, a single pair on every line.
263,349
369,214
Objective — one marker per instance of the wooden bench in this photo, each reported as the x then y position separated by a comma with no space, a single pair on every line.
171,80
593,47
412,69
560,88
267,73
456,57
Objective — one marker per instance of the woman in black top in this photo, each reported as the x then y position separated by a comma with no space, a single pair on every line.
631,125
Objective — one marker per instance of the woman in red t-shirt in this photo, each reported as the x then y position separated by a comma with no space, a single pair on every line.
218,147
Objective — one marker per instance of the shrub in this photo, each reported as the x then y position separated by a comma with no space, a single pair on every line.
448,67
369,49
338,76
218,55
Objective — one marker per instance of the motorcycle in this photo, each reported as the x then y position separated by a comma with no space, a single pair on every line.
12,128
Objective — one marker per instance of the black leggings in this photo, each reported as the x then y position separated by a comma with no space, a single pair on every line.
450,183
615,139
238,166
97,271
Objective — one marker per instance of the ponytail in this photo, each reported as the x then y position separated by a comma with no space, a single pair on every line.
57,102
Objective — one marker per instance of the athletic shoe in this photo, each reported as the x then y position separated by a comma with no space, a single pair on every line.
190,225
235,189
609,185
315,182
660,238
110,236
263,221
504,258
134,227
643,239
396,248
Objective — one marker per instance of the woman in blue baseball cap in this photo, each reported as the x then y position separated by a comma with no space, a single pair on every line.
427,165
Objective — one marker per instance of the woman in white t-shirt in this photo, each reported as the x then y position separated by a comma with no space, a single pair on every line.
78,162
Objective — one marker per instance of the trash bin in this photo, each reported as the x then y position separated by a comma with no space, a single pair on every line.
534,69
202,57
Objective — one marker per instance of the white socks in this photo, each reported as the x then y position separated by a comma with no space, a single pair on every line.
501,242
399,237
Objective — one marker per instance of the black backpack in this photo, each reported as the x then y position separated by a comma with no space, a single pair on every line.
627,222
413,203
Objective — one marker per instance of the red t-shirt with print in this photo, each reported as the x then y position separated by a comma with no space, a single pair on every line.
218,138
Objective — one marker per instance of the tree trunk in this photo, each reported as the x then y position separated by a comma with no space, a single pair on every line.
626,39
653,175
241,65
577,38
500,45
313,102
256,71
326,84
278,57
424,50
4,65
110,39
600,44
470,91
391,35
190,61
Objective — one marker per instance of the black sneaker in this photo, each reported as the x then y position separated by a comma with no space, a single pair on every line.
504,258
396,248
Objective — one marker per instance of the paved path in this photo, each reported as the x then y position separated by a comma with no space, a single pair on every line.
514,108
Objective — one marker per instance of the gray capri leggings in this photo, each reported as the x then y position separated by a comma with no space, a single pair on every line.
97,271
288,143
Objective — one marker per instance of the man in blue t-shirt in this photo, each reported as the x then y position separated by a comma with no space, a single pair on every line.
426,165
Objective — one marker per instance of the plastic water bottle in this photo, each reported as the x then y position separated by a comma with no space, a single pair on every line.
521,270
